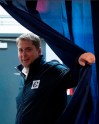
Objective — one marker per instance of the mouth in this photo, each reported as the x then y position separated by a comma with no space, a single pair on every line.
26,60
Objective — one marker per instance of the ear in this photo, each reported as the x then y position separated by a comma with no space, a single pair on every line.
40,51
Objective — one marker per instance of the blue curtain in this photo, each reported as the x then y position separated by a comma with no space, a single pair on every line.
83,36
67,28
80,106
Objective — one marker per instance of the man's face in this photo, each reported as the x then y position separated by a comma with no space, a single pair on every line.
27,52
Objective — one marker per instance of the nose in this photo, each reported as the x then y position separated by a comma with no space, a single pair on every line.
23,53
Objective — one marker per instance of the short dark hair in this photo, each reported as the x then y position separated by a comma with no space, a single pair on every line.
30,37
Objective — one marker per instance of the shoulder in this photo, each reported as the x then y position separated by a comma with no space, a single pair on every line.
57,66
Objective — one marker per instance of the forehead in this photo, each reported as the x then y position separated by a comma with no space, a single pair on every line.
25,42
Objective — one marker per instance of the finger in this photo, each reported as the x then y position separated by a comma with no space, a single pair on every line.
82,62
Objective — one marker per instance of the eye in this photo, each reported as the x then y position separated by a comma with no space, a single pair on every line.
20,50
29,49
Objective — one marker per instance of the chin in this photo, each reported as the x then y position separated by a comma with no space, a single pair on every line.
25,65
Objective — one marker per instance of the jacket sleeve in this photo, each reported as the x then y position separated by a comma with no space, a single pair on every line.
72,77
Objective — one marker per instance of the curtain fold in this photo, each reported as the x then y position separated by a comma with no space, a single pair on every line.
68,41
83,36
80,106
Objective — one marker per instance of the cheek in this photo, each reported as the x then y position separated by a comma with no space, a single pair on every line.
19,56
33,56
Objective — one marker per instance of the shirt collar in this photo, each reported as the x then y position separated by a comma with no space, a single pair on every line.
25,71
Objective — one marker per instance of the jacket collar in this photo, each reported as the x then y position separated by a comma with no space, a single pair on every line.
34,66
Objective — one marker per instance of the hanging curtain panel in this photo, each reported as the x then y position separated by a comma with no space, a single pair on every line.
67,28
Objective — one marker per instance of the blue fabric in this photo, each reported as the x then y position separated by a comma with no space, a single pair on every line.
83,36
57,36
80,106
54,16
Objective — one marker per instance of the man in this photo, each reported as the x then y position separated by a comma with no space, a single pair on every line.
43,97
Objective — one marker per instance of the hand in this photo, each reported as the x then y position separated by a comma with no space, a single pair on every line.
86,58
